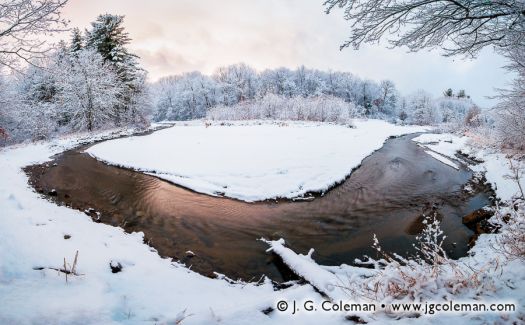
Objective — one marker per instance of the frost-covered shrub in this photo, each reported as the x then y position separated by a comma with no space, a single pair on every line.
321,108
420,277
510,242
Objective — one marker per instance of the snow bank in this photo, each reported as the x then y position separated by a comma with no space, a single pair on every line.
252,161
443,159
495,165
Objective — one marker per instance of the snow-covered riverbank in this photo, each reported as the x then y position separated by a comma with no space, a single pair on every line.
494,165
36,235
252,161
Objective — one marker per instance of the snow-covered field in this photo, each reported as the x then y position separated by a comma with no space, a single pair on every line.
252,161
152,290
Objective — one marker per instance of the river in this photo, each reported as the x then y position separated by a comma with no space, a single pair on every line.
385,196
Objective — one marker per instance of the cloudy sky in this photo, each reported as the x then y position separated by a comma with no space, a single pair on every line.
175,36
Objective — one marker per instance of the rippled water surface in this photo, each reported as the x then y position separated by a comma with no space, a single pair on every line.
385,196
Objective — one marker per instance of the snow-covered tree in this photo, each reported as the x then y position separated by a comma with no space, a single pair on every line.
457,26
452,110
422,110
462,93
87,90
309,82
237,82
109,38
388,97
340,84
22,23
369,97
77,41
185,97
278,81
164,96
511,109
27,110
7,105
38,85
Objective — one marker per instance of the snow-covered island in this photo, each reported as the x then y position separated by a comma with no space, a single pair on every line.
252,161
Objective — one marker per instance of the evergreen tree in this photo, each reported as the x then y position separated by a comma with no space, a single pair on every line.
108,37
77,41
448,93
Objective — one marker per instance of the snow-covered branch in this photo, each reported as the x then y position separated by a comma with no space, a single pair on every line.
22,24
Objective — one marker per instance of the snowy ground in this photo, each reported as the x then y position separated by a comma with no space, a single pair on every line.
252,162
152,290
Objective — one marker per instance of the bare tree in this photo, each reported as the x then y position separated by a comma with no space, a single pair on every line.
388,99
458,26
22,22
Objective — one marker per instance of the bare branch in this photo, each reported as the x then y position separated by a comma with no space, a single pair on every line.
459,27
22,23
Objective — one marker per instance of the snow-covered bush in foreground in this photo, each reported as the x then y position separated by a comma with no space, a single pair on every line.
511,223
321,108
419,278
492,272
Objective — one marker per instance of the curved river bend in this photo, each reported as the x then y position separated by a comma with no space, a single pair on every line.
386,195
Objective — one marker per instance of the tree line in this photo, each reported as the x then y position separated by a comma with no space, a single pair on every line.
239,91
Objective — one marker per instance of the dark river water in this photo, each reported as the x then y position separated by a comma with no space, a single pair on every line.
386,195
